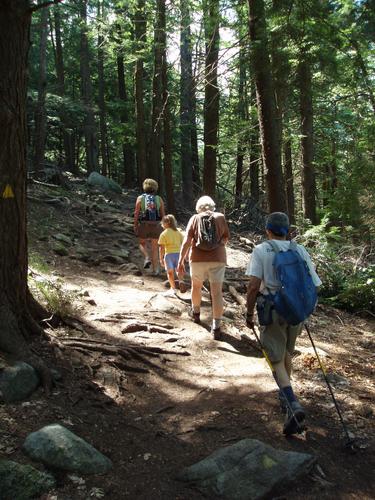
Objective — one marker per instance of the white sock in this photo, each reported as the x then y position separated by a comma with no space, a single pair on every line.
216,323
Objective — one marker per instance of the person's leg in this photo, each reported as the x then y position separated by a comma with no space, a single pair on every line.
217,300
196,294
143,249
170,274
216,274
154,256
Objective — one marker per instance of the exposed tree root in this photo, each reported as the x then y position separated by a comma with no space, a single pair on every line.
15,330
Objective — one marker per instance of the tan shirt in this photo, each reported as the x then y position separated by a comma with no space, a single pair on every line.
217,254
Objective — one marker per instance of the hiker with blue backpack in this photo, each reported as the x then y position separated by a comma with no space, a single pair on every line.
283,287
148,213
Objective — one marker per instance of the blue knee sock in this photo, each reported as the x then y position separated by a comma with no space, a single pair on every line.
288,393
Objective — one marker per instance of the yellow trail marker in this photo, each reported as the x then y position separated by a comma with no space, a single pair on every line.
8,192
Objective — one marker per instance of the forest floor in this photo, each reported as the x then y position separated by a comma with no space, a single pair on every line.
196,396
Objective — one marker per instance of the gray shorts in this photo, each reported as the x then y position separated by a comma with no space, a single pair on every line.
279,337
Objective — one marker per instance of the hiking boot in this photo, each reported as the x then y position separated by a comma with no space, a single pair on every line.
216,332
195,316
295,416
182,287
147,264
282,401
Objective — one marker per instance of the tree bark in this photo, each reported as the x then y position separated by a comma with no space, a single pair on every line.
241,141
89,126
127,152
307,140
154,165
67,137
15,299
167,144
186,88
261,67
289,179
101,92
211,96
140,37
40,131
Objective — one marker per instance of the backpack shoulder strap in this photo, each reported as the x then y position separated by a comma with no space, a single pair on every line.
143,203
293,246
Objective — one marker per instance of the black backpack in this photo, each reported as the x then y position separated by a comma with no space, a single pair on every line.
207,234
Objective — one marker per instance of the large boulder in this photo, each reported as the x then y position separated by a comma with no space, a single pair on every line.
21,482
247,470
101,182
17,381
57,447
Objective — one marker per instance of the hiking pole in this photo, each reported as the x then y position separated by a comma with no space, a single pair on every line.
300,427
349,443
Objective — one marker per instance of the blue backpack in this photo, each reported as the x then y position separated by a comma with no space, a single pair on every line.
297,297
150,207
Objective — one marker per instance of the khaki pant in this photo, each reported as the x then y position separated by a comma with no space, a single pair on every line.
279,337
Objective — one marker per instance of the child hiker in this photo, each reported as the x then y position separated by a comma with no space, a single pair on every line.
170,243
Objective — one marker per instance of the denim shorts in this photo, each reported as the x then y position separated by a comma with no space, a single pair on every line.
171,260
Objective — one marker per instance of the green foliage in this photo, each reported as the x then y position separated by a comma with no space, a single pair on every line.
48,290
345,284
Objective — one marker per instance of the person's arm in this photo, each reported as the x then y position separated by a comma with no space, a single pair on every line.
161,255
252,292
226,233
136,213
162,208
186,242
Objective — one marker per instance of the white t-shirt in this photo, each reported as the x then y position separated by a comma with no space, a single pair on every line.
261,265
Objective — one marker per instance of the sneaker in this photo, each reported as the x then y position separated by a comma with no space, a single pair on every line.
282,401
295,416
147,264
182,287
216,332
156,273
195,316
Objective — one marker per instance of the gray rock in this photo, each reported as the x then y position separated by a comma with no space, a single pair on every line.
166,305
100,181
63,238
17,382
21,482
60,250
247,470
57,447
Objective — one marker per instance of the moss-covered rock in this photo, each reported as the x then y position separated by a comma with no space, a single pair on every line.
21,482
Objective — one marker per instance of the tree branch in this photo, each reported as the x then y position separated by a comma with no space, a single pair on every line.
45,4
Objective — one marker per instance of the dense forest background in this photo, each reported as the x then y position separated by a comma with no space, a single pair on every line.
258,102
263,104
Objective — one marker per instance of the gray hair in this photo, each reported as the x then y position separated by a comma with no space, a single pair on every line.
204,204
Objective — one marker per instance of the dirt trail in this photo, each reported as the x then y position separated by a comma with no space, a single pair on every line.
153,424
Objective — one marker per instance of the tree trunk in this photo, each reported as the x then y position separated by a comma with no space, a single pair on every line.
254,148
89,126
140,37
154,169
40,131
186,83
211,96
261,67
289,179
241,148
307,141
16,303
167,144
101,96
127,152
68,137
